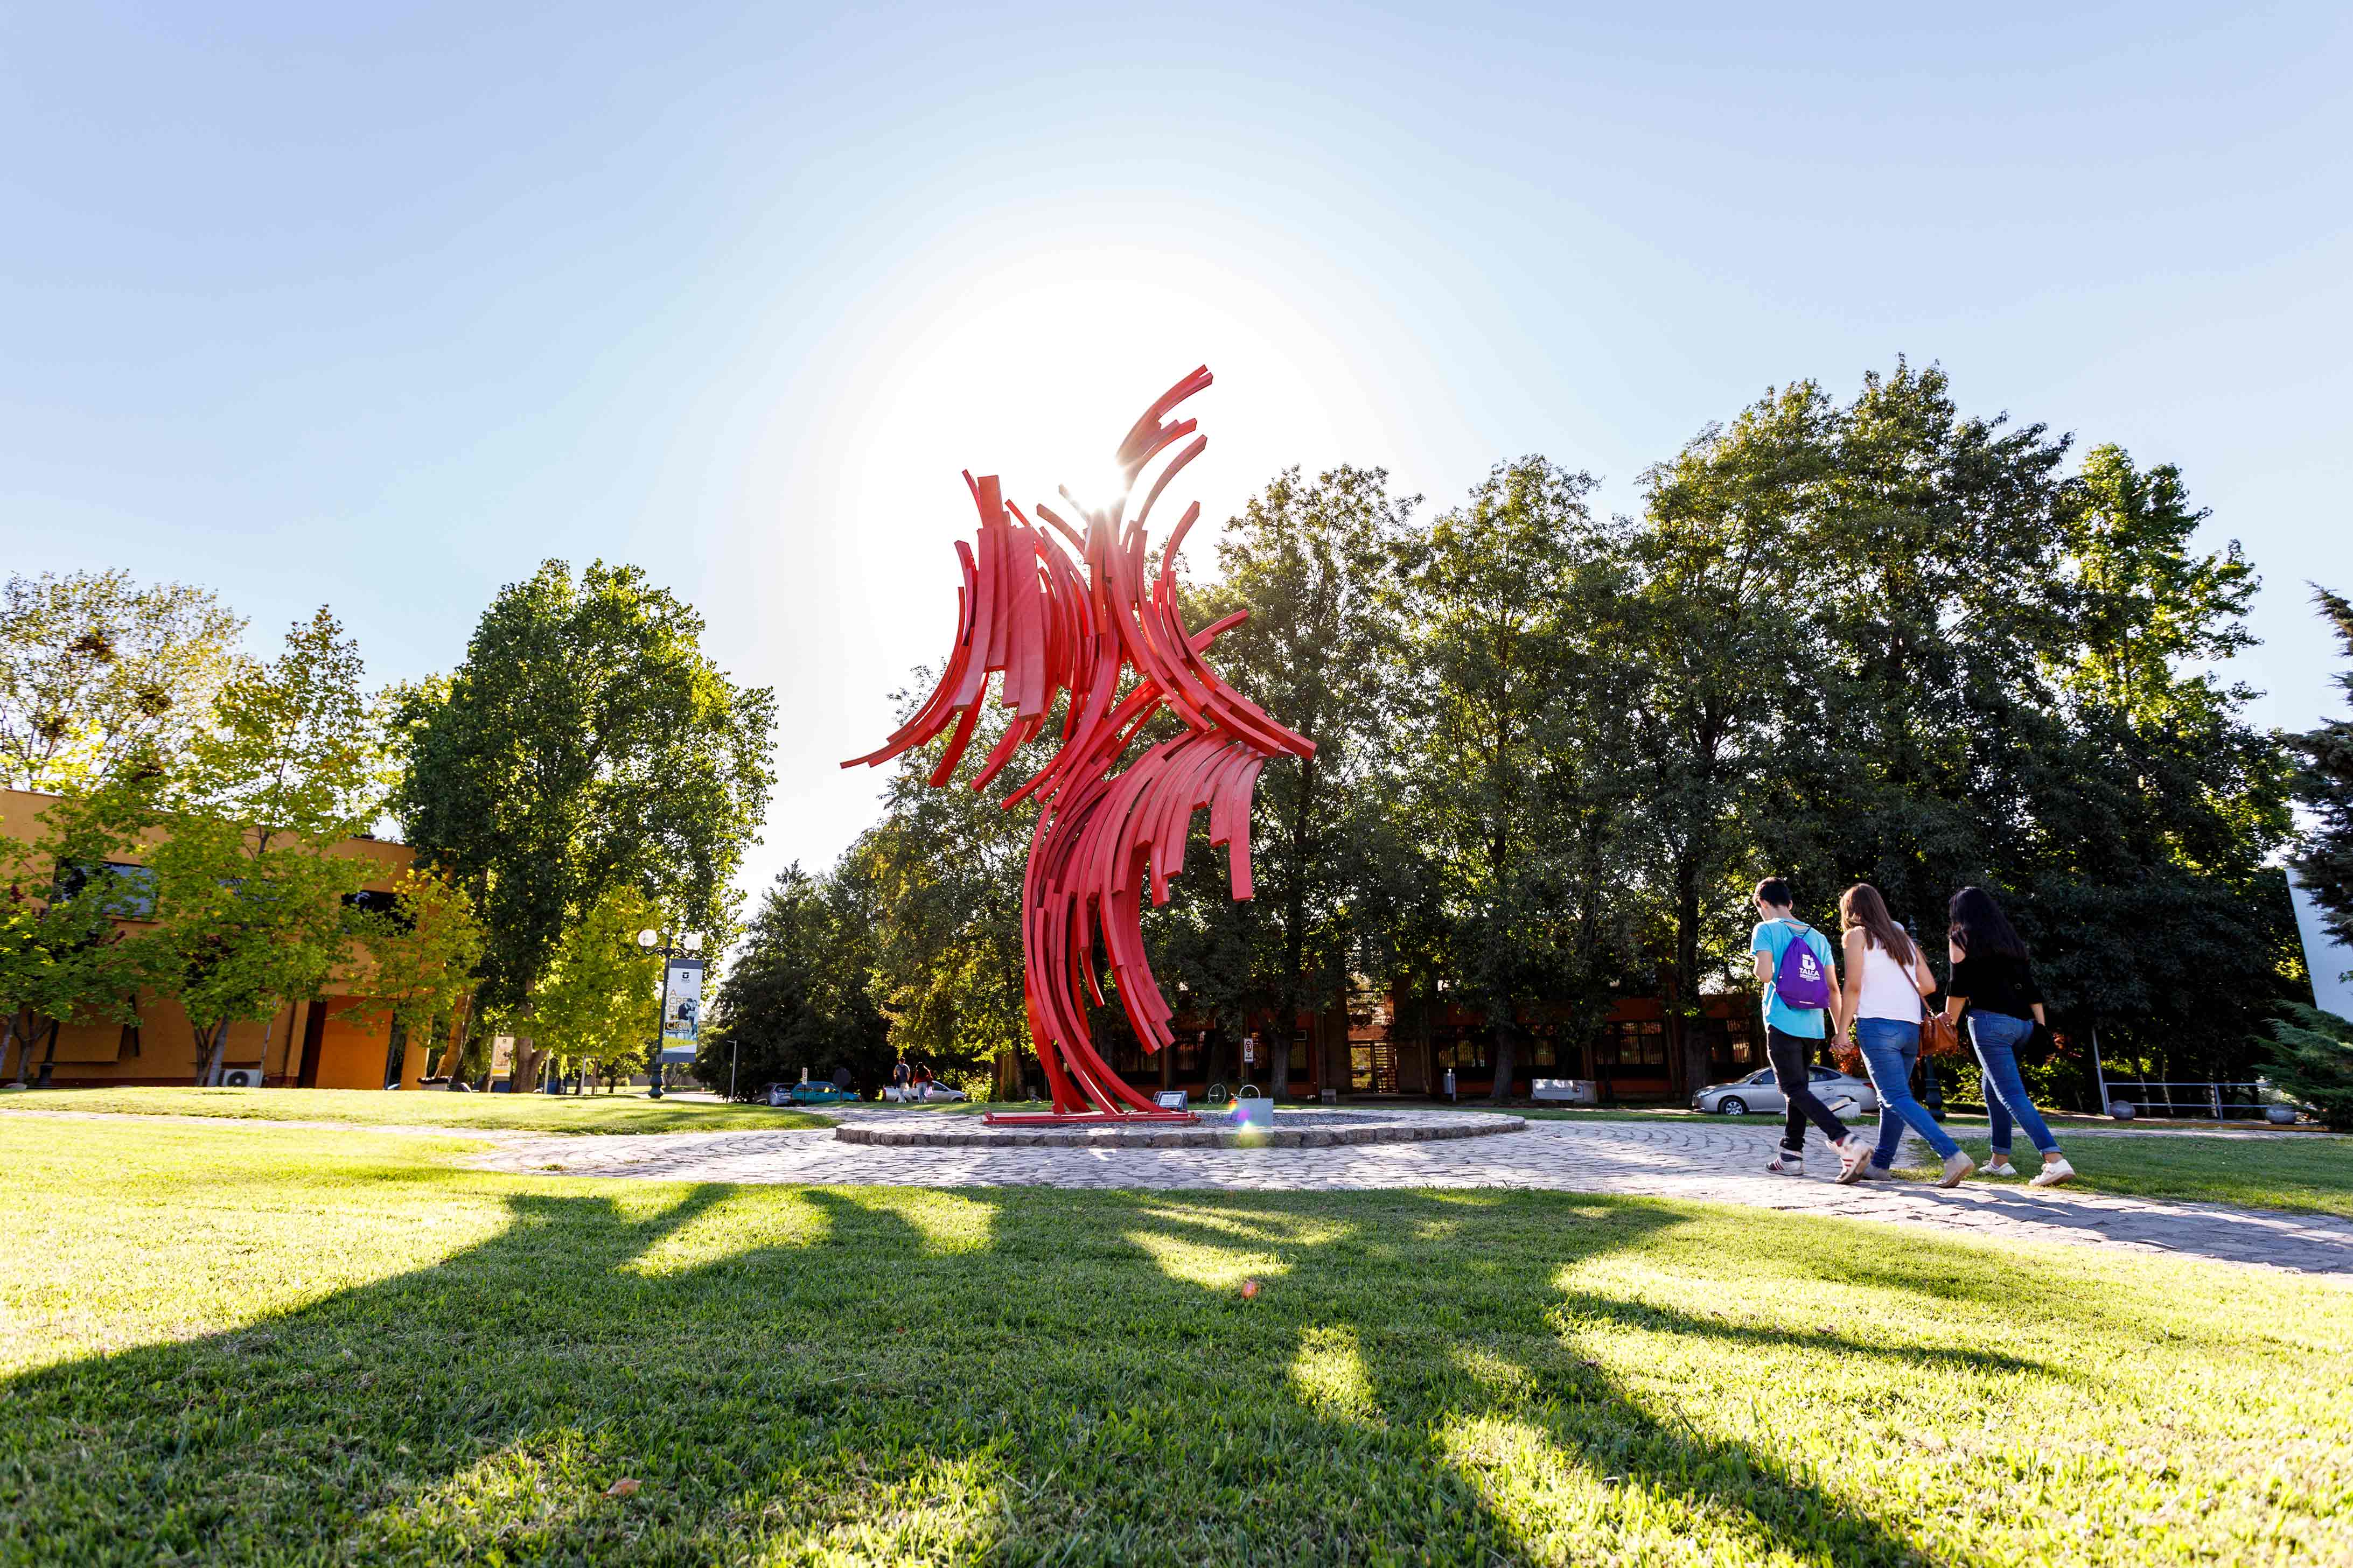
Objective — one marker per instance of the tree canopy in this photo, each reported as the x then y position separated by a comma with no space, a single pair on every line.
96,668
586,744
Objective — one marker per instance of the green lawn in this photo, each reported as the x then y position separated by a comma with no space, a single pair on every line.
629,1112
281,1345
2310,1171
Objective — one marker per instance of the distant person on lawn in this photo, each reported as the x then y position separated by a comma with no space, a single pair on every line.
1886,978
1802,1007
1993,987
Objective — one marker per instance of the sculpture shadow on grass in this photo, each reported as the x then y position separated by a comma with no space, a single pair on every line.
1004,1374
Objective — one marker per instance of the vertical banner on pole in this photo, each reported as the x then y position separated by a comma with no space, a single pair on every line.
681,1008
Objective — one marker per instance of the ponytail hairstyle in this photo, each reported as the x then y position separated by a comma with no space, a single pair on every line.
1980,928
1861,905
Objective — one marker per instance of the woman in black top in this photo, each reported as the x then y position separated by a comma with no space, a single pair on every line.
1994,983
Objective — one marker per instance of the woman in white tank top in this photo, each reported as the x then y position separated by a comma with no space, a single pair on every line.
1886,980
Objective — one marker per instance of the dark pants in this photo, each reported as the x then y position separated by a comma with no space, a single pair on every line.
1792,1059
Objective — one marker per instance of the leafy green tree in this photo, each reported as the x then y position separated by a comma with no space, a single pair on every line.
1923,591
1709,629
2146,602
586,744
1496,600
2158,808
421,953
798,995
96,669
2310,1053
595,1002
64,956
942,870
1313,562
252,875
2324,787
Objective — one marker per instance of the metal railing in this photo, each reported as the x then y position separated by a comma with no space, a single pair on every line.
2204,1097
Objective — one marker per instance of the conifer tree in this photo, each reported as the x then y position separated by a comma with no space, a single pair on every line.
2323,786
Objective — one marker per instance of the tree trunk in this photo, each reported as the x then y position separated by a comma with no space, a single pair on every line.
1294,939
1507,1040
453,1054
23,1057
526,1063
209,1045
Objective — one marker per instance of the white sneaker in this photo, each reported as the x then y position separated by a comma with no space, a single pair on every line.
1957,1167
2053,1172
1785,1164
2001,1166
1853,1155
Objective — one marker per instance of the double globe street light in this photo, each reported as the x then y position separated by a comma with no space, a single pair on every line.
685,941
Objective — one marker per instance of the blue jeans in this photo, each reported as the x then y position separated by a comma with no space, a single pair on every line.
1889,1050
1997,1036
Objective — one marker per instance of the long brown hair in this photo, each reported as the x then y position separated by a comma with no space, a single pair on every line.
1861,905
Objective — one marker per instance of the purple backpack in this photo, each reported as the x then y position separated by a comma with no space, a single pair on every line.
1800,979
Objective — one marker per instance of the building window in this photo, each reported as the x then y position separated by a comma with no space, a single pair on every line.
1634,1044
128,890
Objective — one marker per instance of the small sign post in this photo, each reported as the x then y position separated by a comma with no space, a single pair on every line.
681,1018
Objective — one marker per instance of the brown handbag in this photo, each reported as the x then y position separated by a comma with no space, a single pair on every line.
1937,1036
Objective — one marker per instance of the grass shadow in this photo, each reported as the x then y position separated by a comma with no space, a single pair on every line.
1001,1375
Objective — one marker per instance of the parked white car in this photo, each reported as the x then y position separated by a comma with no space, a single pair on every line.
928,1094
1759,1093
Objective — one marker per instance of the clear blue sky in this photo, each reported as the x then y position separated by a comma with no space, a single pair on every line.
380,305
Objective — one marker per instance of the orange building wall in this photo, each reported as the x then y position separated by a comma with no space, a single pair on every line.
352,1055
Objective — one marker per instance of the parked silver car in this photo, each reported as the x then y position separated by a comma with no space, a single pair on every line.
1758,1092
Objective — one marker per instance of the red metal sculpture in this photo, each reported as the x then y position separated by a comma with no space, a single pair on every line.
1028,609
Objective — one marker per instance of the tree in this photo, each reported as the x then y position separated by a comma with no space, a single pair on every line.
1708,630
64,956
2311,1053
1923,590
1313,563
942,870
595,1002
421,956
2144,603
1494,607
2323,786
95,668
587,744
252,875
796,998
2157,808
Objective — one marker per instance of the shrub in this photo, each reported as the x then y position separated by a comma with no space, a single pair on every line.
2312,1063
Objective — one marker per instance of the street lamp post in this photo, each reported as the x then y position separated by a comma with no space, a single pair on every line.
668,942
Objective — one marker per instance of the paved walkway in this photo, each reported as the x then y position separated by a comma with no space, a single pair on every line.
1709,1162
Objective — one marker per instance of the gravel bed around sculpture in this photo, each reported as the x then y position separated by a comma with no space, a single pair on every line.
1312,1129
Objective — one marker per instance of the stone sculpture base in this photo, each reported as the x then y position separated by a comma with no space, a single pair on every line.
1292,1129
